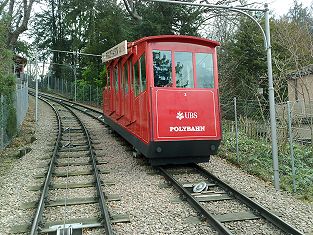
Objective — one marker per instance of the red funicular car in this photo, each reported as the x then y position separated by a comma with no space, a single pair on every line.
161,95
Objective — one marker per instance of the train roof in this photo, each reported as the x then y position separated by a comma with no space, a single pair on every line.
123,47
176,38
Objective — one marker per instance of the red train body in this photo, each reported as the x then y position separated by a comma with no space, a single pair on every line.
162,97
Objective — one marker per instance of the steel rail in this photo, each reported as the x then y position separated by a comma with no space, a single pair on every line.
70,102
102,201
57,99
266,214
263,212
214,222
103,207
41,204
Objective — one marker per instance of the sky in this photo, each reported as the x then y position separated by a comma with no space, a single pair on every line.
281,7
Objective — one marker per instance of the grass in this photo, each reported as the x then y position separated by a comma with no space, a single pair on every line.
255,157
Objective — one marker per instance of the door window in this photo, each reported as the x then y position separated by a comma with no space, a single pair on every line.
184,69
136,79
162,68
143,82
204,69
125,78
115,75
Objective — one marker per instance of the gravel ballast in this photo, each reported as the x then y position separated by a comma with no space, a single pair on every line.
152,208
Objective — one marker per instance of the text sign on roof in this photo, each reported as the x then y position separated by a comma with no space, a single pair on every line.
116,51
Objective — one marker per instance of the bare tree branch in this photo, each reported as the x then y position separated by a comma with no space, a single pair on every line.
3,5
130,7
21,21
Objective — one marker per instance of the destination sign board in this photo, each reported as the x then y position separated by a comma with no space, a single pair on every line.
116,51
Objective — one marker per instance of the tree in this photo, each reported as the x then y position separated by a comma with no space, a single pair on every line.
242,62
293,37
163,18
6,78
17,15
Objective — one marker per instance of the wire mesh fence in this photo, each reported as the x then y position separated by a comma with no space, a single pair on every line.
13,109
247,138
90,94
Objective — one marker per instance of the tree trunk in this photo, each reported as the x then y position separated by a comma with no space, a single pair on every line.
14,32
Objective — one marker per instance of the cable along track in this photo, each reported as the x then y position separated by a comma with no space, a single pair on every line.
210,189
74,141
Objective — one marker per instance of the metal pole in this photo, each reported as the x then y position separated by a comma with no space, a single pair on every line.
48,80
75,52
97,96
2,122
36,99
66,90
269,68
236,125
89,94
291,147
271,99
75,94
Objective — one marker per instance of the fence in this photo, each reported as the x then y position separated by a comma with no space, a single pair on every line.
247,131
85,93
13,109
253,120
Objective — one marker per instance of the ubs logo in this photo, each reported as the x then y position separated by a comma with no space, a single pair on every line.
188,115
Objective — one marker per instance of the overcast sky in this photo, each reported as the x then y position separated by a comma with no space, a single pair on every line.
281,7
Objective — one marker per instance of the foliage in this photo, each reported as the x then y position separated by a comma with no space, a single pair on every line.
11,127
164,18
7,82
255,157
242,62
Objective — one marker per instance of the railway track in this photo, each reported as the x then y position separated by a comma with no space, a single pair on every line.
210,189
73,156
207,188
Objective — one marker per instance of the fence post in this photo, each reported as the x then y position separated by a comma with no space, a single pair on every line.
89,94
97,98
236,125
62,85
2,123
291,147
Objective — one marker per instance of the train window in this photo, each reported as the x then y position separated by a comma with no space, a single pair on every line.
143,81
162,68
115,78
136,79
184,69
125,78
204,66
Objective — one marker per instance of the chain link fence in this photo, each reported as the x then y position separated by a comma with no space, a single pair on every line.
247,140
90,94
13,109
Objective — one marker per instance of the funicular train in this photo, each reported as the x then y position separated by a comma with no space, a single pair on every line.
161,95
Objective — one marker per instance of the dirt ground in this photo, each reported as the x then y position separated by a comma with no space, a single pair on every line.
21,142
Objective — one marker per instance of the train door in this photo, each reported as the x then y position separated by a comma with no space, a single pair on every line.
131,93
122,91
126,100
115,89
135,98
143,98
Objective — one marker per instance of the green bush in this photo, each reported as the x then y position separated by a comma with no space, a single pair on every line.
11,128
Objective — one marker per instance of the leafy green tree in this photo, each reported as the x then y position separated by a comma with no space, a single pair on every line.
242,62
164,18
